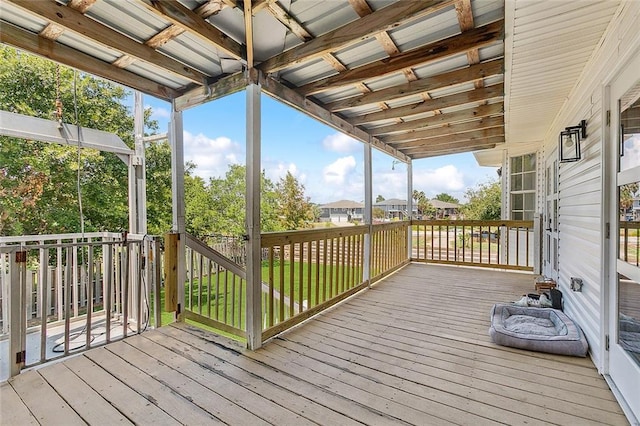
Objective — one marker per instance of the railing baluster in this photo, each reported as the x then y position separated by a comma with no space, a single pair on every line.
44,304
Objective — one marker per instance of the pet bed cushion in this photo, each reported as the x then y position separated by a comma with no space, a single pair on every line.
536,329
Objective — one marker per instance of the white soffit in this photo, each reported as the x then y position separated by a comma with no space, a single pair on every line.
547,45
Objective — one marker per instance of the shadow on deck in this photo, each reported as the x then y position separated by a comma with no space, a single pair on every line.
391,355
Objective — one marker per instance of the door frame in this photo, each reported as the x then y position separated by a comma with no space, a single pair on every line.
609,309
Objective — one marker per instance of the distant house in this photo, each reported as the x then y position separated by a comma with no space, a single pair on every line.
445,210
395,208
342,211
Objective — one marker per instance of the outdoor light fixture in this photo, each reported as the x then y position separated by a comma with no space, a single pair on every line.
570,142
393,164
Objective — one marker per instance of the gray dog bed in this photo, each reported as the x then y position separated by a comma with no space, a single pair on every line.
536,329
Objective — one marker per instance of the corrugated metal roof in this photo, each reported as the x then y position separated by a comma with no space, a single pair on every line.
331,54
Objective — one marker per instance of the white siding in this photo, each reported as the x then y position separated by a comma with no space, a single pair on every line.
581,183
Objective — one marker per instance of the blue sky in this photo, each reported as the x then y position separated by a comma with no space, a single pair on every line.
329,164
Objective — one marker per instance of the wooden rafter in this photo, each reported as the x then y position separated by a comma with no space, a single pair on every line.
457,99
361,29
52,31
442,119
451,129
182,16
73,20
477,37
361,7
288,21
457,148
223,87
205,10
450,139
297,101
55,51
466,22
248,31
440,81
81,5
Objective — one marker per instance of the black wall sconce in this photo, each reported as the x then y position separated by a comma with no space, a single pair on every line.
570,142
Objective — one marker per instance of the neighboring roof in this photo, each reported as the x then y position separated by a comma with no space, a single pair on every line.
414,79
443,204
343,204
391,202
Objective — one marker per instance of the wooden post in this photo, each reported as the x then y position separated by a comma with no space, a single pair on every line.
254,271
410,208
368,213
178,209
17,314
171,272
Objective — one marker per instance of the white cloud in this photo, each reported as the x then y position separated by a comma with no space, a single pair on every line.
212,156
337,172
158,113
443,179
339,142
278,170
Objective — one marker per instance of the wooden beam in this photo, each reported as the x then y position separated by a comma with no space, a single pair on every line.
457,148
180,15
450,139
52,31
439,50
55,51
258,5
364,28
288,21
453,129
334,62
172,31
472,96
73,20
424,85
361,7
222,87
442,119
299,102
81,5
248,32
464,14
164,36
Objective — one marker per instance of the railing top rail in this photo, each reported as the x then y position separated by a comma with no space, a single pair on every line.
206,251
508,223
56,237
398,224
270,239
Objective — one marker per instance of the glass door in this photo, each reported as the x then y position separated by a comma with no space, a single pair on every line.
624,294
550,217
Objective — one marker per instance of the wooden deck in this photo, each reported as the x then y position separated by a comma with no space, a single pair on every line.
392,355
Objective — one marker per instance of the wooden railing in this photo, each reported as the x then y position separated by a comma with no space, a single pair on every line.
309,271
491,244
388,248
77,291
215,290
629,242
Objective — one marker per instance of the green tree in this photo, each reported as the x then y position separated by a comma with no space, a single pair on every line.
296,210
227,203
377,213
443,196
422,202
379,198
484,201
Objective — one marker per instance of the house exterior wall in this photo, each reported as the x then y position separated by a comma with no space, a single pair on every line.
584,185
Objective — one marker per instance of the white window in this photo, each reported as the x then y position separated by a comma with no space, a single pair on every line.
523,187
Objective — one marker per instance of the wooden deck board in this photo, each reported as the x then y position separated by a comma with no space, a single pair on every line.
390,355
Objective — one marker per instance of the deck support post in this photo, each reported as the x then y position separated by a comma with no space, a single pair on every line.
177,203
17,311
368,213
410,208
254,279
